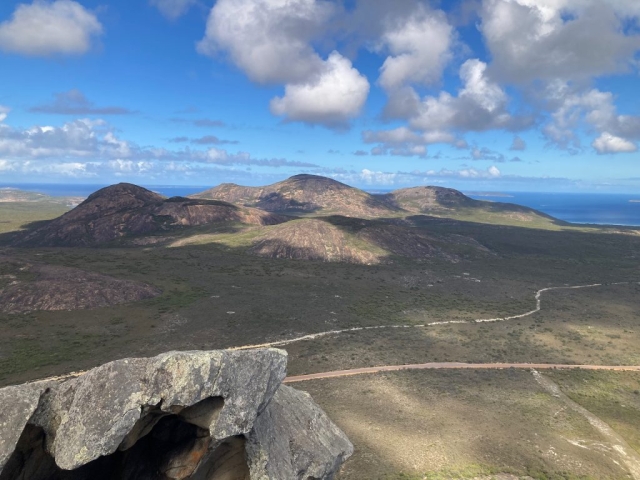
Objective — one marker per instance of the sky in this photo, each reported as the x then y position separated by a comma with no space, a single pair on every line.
488,95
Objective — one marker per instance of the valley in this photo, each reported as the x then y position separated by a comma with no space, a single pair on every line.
240,267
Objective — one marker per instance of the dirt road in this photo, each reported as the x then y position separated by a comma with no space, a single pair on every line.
538,299
457,366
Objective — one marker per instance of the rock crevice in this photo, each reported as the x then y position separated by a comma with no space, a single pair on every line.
219,415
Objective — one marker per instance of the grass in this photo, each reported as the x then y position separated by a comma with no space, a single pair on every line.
17,215
437,425
613,396
216,296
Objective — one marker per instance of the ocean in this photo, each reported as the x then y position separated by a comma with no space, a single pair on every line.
84,190
594,208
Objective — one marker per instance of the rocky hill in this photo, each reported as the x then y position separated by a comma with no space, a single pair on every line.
450,203
179,416
358,241
313,239
303,194
26,287
125,210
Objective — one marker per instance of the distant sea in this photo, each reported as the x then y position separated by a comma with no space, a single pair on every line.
595,208
62,190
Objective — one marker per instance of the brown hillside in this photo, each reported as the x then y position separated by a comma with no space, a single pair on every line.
29,287
311,239
302,194
428,199
124,209
447,202
403,241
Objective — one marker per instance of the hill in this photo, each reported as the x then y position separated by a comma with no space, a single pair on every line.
125,210
27,287
450,203
303,194
344,240
311,239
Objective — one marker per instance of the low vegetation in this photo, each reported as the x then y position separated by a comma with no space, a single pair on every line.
228,282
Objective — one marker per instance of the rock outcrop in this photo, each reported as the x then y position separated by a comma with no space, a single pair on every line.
303,194
219,415
27,287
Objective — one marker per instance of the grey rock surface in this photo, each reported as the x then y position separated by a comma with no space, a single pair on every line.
180,415
294,439
17,405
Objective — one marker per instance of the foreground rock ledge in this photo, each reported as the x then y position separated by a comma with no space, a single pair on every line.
219,415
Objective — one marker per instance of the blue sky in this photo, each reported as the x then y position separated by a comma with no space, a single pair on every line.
474,94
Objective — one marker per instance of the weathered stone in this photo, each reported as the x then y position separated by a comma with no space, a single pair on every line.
17,405
220,415
294,439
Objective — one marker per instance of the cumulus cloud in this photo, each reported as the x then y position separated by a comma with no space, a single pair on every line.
607,143
77,138
172,9
480,105
403,141
45,28
95,143
376,177
420,48
269,40
74,102
571,107
549,39
331,98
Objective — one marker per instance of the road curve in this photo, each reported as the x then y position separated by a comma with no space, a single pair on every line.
456,366
315,336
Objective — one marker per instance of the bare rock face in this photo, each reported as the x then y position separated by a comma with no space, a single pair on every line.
303,194
219,415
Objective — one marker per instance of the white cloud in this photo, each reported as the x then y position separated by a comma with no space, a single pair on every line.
4,111
45,28
77,138
480,105
607,143
330,99
420,48
549,39
373,177
403,141
572,107
269,40
173,9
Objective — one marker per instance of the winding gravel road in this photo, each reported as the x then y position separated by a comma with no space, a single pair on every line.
538,299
